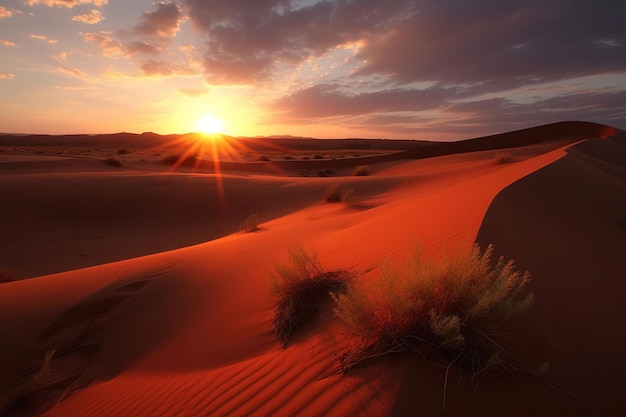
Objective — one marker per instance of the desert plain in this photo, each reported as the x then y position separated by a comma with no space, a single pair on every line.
130,289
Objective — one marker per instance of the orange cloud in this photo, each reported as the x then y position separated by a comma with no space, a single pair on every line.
44,38
110,46
4,42
94,16
152,68
5,76
75,72
66,3
4,12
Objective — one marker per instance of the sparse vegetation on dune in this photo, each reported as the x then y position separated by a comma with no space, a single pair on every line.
250,224
113,162
361,170
180,160
335,193
449,312
302,287
503,158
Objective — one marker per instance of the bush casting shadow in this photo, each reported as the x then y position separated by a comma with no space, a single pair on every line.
302,288
449,312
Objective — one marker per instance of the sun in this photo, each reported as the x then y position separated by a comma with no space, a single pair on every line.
210,125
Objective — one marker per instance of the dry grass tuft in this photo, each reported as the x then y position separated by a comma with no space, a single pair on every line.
250,224
114,162
302,287
335,193
448,312
503,158
361,170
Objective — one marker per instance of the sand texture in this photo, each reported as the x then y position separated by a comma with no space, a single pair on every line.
131,290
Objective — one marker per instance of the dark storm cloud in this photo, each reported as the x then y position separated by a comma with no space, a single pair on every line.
326,101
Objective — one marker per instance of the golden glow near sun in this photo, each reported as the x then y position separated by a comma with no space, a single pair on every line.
210,125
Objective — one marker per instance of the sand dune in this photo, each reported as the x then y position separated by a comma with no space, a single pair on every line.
187,332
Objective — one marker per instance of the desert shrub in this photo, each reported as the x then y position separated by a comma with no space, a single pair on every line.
179,160
318,156
301,287
325,172
123,151
262,158
503,158
361,170
335,193
305,158
250,224
449,312
113,162
288,157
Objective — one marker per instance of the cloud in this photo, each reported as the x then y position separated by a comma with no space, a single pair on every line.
5,42
143,48
44,38
194,92
60,57
502,44
322,101
5,13
94,16
6,75
152,68
109,45
245,41
75,72
66,3
155,31
162,23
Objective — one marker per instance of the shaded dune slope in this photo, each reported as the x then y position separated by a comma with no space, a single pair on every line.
567,224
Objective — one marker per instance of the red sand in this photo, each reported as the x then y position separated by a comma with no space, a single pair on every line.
188,332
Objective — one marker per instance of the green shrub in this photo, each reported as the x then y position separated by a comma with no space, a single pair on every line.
302,287
361,170
449,312
113,162
250,224
503,158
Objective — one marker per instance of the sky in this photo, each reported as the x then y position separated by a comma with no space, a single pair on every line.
412,69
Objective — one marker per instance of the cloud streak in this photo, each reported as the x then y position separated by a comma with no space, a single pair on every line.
94,16
66,3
